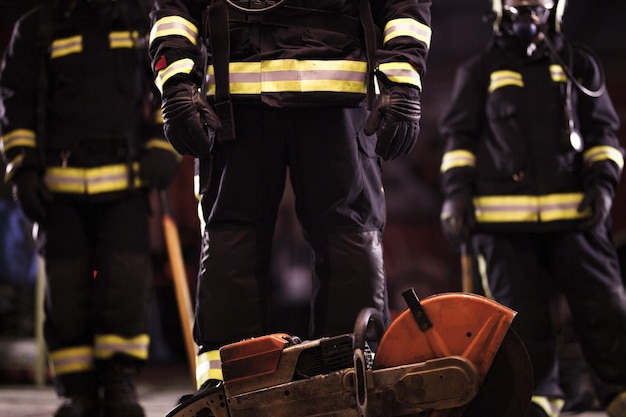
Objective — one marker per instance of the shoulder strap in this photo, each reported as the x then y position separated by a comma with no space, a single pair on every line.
219,36
369,30
46,29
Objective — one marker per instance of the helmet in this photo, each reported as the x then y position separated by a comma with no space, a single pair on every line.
530,14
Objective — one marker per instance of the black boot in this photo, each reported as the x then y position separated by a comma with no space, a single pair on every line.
80,394
119,394
77,406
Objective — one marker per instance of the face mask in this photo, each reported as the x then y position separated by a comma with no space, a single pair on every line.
526,20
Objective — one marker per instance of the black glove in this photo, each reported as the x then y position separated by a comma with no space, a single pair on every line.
395,120
32,194
457,218
599,200
189,123
158,167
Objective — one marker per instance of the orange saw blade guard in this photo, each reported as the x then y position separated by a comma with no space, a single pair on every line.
463,324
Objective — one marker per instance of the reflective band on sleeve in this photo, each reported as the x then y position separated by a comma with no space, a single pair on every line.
13,164
407,27
123,39
557,74
156,143
158,116
208,366
96,180
174,26
69,360
602,153
401,73
18,137
66,46
456,159
110,344
290,75
182,66
503,78
528,208
552,406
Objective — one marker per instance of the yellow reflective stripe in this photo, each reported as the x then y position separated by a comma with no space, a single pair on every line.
182,66
18,137
503,78
291,75
159,144
109,344
156,143
401,72
208,366
407,27
96,180
528,208
75,359
457,158
557,74
123,39
602,153
158,116
561,207
66,46
174,26
12,166
552,406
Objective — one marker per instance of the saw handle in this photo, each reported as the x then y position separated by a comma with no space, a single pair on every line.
368,319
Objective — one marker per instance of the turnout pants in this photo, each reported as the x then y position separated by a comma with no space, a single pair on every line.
339,202
99,278
523,271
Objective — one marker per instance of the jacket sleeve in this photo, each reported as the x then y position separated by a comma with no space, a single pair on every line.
461,127
175,41
406,33
598,122
19,97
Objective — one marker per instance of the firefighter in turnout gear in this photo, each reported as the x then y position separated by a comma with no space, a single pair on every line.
83,144
256,90
529,172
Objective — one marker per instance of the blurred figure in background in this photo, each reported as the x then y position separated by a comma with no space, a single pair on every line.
82,140
529,173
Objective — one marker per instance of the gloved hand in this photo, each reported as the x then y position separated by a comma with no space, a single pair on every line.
599,200
158,167
189,123
32,194
395,120
457,218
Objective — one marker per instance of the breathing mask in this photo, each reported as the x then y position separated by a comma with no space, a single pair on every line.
525,19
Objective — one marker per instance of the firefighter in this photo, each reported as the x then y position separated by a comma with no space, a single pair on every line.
529,172
83,143
288,84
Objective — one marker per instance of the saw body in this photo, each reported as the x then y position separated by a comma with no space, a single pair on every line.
432,367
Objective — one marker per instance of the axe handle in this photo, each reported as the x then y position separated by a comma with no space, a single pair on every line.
181,287
466,269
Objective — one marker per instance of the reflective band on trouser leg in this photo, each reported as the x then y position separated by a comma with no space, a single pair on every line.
208,366
109,344
70,360
550,405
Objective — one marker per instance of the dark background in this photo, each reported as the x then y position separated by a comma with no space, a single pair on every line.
416,254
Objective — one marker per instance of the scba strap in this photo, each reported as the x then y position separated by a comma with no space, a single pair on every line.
255,6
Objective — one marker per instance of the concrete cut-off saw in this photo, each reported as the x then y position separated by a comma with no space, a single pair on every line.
448,355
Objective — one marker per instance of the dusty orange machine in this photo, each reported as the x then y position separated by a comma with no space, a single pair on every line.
449,355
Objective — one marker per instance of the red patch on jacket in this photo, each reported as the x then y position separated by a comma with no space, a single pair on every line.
161,63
